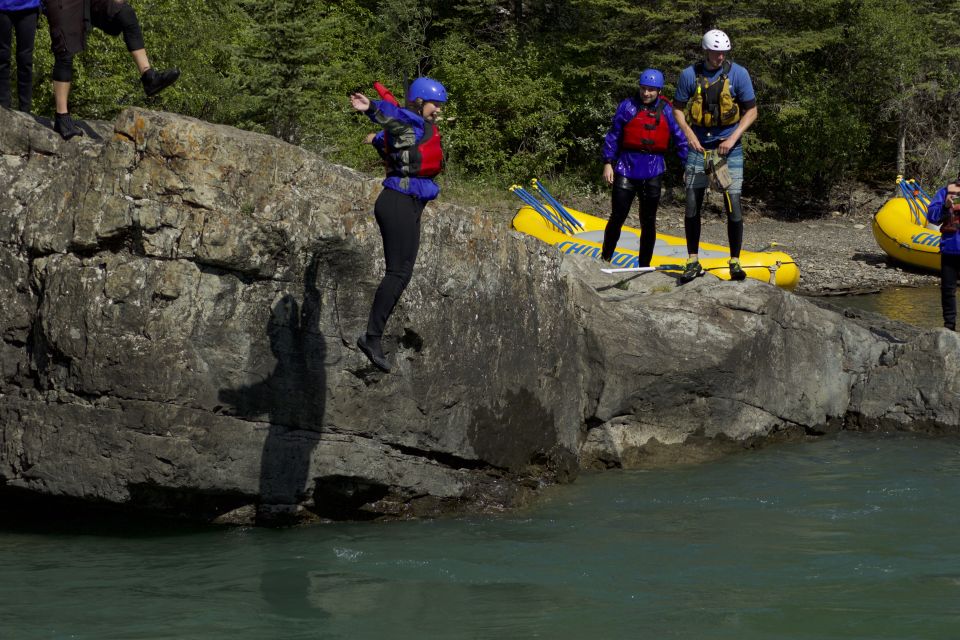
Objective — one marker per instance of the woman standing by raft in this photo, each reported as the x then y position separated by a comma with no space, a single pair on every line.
633,152
410,143
944,209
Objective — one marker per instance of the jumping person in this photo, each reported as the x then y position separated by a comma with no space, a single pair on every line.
69,21
715,105
410,144
20,17
633,152
944,209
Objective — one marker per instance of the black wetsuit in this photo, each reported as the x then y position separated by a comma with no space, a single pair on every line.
624,191
23,23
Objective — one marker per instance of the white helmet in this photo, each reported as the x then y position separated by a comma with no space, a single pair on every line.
716,40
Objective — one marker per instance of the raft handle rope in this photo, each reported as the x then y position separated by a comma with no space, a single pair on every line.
539,207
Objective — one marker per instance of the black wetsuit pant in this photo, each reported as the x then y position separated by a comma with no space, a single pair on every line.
23,23
691,221
949,268
398,216
624,191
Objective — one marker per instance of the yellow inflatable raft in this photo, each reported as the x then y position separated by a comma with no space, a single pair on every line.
905,235
774,267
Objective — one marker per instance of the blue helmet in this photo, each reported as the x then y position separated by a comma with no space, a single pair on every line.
651,78
426,89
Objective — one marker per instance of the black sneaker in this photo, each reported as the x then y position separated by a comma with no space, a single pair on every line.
736,271
65,126
374,353
156,81
691,271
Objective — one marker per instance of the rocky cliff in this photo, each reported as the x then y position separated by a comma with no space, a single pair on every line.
180,307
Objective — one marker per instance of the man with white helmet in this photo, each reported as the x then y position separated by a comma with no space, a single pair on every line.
714,106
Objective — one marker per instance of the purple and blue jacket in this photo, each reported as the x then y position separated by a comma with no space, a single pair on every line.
639,165
405,128
18,5
949,242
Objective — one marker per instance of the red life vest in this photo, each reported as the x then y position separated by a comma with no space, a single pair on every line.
424,159
648,131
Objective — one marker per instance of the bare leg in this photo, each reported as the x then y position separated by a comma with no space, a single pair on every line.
61,94
141,60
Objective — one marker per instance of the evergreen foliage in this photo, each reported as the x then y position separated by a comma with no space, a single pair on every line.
846,89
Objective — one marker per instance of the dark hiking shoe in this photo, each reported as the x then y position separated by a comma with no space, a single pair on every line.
736,271
691,271
374,353
65,126
156,81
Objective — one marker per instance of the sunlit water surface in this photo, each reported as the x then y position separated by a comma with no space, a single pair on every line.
853,536
916,305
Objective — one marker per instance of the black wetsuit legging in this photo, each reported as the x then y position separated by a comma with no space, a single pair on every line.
398,216
624,191
691,220
949,268
24,24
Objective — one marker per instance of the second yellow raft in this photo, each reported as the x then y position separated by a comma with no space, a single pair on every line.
898,233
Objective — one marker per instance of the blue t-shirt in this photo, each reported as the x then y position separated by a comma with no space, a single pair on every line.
741,88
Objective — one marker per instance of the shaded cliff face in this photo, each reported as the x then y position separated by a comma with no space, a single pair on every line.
181,302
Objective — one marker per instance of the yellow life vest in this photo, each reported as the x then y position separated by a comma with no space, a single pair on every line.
712,104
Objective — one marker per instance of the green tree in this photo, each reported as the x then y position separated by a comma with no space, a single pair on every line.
508,111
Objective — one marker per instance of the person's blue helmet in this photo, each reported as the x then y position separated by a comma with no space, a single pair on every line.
651,78
426,89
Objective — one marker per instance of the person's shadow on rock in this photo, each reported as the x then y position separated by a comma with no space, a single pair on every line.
292,399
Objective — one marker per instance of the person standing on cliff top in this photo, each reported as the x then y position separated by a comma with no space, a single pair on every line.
20,17
410,144
944,209
70,21
633,161
715,105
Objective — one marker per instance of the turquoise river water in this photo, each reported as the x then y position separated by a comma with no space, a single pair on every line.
851,536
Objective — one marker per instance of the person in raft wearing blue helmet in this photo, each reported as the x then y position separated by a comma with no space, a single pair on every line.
715,106
944,209
410,144
633,153
20,17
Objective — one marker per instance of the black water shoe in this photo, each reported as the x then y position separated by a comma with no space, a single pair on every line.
691,271
736,271
374,352
156,81
65,126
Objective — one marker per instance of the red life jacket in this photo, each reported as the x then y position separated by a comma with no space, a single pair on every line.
424,159
648,131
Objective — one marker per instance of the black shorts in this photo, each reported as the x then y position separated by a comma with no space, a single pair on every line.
70,20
